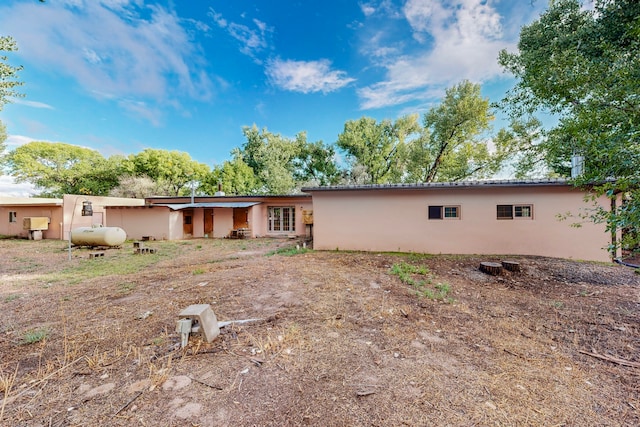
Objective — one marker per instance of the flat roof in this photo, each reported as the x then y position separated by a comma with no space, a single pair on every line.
29,201
447,185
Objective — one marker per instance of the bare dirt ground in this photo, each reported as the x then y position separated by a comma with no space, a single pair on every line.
342,341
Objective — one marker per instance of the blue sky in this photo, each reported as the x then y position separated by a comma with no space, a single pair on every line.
120,76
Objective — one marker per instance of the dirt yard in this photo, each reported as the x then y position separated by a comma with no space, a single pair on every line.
344,339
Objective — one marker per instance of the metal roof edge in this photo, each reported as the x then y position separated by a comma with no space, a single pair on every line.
447,185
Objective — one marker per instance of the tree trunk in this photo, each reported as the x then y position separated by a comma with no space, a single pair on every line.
493,268
511,266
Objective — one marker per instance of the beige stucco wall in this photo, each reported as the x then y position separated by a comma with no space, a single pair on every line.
72,210
223,216
397,220
138,222
261,225
54,213
222,222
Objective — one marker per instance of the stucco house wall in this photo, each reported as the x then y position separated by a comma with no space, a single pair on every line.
222,222
396,218
72,210
138,222
13,210
223,207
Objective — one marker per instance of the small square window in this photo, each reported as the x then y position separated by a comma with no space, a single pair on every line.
451,212
444,212
523,211
505,212
514,211
13,216
435,212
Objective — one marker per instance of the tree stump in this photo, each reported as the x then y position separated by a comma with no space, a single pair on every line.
511,266
493,268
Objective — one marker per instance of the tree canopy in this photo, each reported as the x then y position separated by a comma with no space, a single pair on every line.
173,171
57,169
584,66
379,148
8,73
454,143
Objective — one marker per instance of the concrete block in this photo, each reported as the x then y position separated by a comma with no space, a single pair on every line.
202,318
96,254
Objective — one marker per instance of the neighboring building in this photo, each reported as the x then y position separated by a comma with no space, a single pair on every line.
60,215
176,218
484,217
14,210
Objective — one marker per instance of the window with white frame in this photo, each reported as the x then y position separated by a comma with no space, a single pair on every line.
282,219
444,212
514,212
13,216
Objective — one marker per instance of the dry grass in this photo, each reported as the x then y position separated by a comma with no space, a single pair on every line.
343,341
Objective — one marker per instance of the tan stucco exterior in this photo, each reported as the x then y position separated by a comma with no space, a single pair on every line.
395,218
13,211
72,211
165,217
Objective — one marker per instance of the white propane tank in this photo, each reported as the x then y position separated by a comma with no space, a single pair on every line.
98,236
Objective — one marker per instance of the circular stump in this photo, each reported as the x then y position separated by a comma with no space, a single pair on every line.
492,268
511,266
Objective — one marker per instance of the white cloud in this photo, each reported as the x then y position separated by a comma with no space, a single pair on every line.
120,47
367,9
32,104
8,188
253,39
14,141
306,76
457,39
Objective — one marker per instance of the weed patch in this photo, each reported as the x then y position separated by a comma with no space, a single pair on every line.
34,336
420,278
289,251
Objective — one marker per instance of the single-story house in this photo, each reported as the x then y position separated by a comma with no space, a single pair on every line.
514,217
53,218
175,218
546,217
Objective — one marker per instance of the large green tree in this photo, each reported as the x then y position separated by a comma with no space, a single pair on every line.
173,171
315,163
454,144
233,177
584,66
378,149
56,169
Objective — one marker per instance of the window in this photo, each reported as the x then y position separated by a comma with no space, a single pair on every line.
13,216
514,211
444,212
282,219
505,211
522,211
